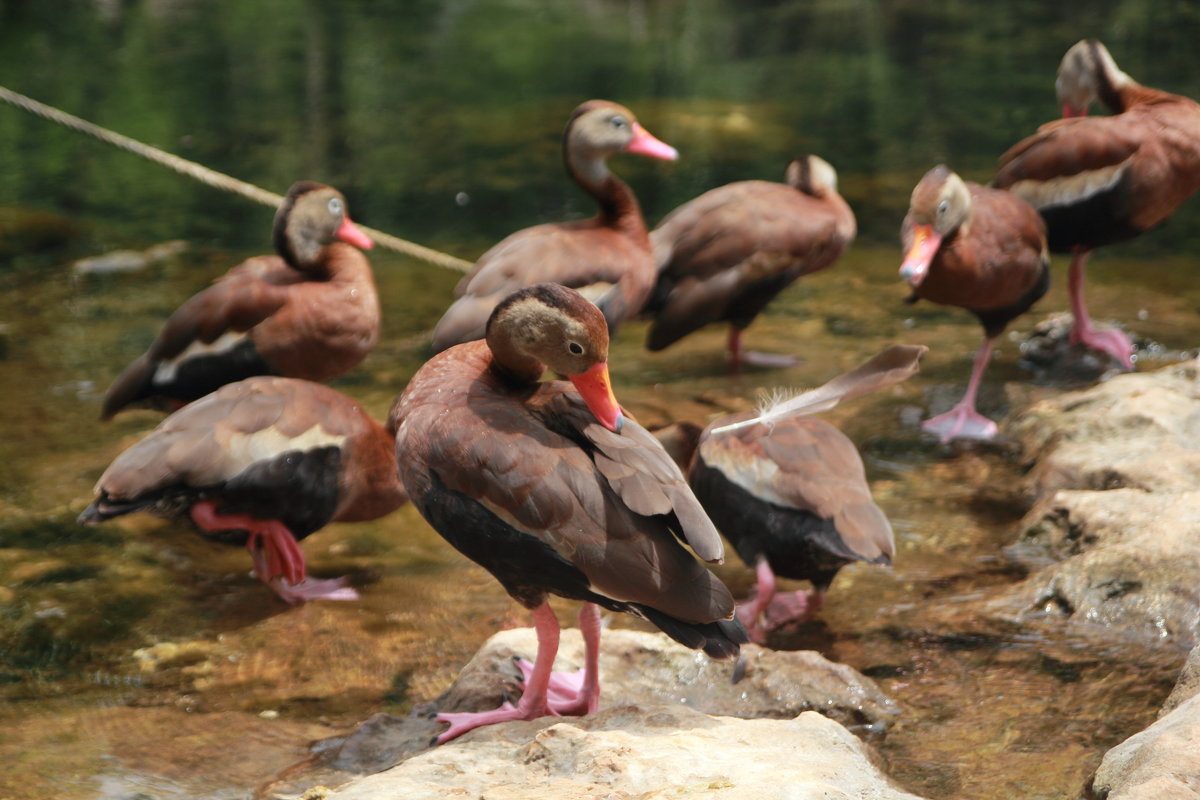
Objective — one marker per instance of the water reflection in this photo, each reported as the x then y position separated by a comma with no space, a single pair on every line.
406,106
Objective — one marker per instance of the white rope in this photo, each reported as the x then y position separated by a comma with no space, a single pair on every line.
214,178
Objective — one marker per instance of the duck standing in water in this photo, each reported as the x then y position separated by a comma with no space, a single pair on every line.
553,490
310,312
606,257
789,491
1099,180
977,248
725,255
263,462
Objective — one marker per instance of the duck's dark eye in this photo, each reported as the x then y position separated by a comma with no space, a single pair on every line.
943,207
335,206
619,122
575,347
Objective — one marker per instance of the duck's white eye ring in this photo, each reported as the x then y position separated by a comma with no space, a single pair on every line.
335,205
575,347
943,207
619,122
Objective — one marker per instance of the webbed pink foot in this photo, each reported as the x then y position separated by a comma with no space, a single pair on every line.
565,693
312,589
792,608
755,358
462,721
1111,341
960,422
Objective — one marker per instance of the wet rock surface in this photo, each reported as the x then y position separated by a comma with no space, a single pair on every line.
634,752
1113,540
638,670
1160,763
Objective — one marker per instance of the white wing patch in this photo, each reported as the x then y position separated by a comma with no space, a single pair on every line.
165,373
244,449
755,475
1069,189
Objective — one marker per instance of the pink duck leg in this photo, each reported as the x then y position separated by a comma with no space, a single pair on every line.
792,608
738,357
750,613
576,693
963,420
1110,340
534,701
278,560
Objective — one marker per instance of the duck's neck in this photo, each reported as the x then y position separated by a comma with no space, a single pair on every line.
514,369
618,206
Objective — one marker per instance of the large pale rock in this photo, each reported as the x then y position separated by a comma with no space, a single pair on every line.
1160,763
1140,430
1124,559
637,670
628,752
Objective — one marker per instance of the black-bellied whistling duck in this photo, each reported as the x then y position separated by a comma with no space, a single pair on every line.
606,257
263,462
310,312
725,255
552,490
1099,180
789,491
981,249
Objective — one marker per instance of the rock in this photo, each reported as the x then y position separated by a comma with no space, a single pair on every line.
1188,685
1160,763
639,752
638,670
127,260
1139,430
1124,559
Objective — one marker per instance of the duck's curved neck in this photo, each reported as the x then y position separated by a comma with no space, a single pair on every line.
513,368
618,205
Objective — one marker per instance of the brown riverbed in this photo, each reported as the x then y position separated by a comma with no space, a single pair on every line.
140,661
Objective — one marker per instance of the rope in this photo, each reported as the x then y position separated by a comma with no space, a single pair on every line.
212,177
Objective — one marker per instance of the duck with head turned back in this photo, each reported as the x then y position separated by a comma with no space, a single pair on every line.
976,248
790,492
725,255
606,257
262,462
1099,180
310,312
553,490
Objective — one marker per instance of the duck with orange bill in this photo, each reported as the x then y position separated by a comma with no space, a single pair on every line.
309,312
1100,180
980,249
262,462
555,491
606,257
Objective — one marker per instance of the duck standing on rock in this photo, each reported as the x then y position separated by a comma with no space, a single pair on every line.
725,255
309,312
1099,180
977,248
262,462
789,490
607,257
552,489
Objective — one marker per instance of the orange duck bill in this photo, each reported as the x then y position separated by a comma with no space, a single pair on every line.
596,388
644,143
350,233
920,255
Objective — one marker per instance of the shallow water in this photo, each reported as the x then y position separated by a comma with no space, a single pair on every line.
140,661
